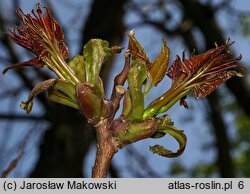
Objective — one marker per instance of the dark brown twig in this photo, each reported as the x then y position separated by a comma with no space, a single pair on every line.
21,117
14,162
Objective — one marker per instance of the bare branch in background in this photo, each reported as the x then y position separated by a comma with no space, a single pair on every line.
14,162
145,168
6,116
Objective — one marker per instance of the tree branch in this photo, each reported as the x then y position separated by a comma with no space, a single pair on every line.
14,162
106,148
7,116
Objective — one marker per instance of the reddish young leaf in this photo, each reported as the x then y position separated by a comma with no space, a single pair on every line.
200,75
205,72
135,47
37,32
33,62
41,34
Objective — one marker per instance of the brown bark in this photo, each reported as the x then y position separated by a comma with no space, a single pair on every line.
106,148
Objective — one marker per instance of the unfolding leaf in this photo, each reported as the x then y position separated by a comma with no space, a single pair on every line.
42,86
135,47
95,53
157,70
203,73
90,102
138,54
127,104
100,87
211,81
39,32
78,66
127,132
64,93
33,62
136,78
163,121
187,66
178,135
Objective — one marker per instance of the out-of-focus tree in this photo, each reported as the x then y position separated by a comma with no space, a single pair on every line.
67,139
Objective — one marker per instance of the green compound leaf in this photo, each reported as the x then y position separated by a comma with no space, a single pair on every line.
77,65
64,93
178,135
42,86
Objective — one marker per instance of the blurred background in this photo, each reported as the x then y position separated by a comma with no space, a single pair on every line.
55,141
